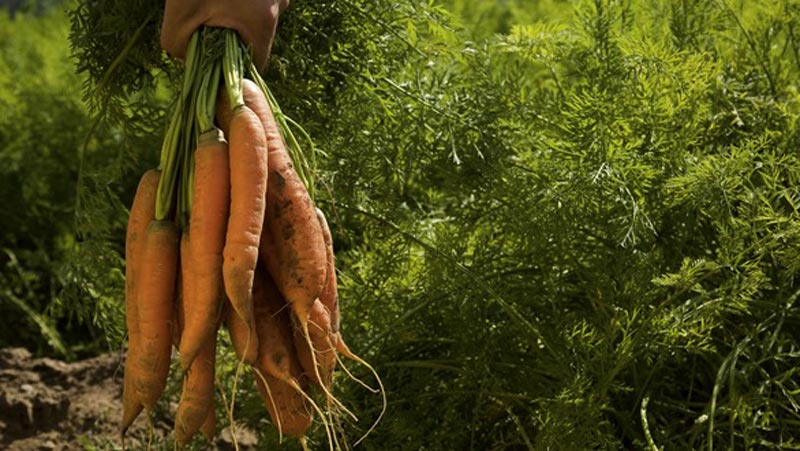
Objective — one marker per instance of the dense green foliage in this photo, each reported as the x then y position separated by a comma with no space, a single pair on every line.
552,235
571,225
47,288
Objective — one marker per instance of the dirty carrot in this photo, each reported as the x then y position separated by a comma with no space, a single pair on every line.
208,221
155,297
330,292
239,331
142,212
197,396
290,219
248,168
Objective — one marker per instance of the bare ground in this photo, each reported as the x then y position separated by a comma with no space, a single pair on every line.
47,404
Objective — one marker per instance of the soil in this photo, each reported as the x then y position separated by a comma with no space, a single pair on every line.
47,404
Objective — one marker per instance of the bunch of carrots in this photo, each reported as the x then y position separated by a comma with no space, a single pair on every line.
226,231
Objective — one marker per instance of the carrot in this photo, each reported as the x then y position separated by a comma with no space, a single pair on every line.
184,291
155,298
330,293
248,169
277,362
197,397
322,340
291,240
238,331
210,201
323,320
276,354
142,212
194,376
278,371
329,298
209,425
177,308
292,245
295,237
285,405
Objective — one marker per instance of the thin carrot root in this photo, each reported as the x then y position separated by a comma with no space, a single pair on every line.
233,398
344,350
151,432
228,410
340,428
329,396
353,377
272,401
328,427
240,364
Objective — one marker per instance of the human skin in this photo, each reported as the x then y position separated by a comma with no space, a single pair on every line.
254,20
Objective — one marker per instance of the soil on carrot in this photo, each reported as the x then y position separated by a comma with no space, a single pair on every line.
47,404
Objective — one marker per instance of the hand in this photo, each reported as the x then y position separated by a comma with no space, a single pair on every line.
254,20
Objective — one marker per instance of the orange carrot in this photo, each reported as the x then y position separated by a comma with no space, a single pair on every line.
285,405
277,361
197,397
296,239
291,240
209,425
155,297
142,212
238,331
330,293
183,291
248,168
210,202
323,342
292,244
194,379
276,354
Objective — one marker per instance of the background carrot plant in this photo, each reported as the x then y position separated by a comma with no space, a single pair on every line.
559,225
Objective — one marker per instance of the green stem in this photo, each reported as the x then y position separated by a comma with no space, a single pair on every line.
233,69
189,143
165,185
207,99
175,139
